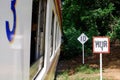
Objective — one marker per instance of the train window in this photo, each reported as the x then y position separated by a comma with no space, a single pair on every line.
58,31
56,36
52,32
59,36
37,37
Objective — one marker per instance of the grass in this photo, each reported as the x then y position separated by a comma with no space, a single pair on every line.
92,78
86,69
64,75
82,72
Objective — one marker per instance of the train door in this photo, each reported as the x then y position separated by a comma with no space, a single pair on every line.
38,37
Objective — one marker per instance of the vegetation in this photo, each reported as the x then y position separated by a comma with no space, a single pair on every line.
94,18
83,72
87,69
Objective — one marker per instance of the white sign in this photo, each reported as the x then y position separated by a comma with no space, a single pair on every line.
82,38
101,45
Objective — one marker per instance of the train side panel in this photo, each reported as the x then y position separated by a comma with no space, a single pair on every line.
30,39
15,31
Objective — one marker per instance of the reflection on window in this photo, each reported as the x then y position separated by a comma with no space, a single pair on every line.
38,36
56,36
52,32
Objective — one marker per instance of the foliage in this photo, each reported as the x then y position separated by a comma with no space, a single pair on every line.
86,69
94,18
117,30
64,75
71,44
83,71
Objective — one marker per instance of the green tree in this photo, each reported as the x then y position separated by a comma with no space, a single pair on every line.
96,17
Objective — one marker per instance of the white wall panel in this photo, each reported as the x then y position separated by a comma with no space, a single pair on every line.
14,55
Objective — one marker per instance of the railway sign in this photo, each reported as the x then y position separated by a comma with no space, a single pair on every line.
82,38
101,45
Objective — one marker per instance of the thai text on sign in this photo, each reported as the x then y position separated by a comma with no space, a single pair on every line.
101,45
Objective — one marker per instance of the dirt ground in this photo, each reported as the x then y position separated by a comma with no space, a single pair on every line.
111,63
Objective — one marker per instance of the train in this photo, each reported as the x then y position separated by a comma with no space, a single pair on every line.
30,39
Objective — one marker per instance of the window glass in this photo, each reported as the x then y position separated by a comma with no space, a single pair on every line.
38,36
56,36
52,32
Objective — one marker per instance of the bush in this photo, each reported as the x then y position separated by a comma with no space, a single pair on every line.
71,46
117,30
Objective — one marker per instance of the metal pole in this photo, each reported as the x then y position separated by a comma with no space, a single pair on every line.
100,66
83,52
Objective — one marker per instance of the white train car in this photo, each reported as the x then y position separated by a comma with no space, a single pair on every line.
30,39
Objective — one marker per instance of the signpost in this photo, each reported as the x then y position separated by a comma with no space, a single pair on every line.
82,38
101,45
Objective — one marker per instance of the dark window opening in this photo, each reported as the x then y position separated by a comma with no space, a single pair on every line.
52,32
34,31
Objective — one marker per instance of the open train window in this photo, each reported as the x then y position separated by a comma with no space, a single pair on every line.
56,36
52,32
37,37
